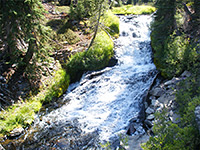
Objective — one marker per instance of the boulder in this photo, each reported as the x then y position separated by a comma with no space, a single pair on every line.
148,123
186,74
150,117
197,115
131,129
171,82
174,117
149,110
157,92
16,132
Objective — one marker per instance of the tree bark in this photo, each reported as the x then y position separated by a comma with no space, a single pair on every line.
25,61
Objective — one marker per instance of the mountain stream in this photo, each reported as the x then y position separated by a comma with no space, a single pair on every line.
101,105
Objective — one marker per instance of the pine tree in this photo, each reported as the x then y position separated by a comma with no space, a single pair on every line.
22,33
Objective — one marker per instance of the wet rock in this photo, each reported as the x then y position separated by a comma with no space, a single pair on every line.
197,115
16,132
134,35
131,129
63,143
112,62
148,123
157,92
124,34
149,110
150,117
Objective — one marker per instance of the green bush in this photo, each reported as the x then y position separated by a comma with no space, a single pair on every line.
85,9
170,136
176,55
135,10
95,58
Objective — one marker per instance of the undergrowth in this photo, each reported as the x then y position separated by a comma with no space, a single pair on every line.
184,135
135,10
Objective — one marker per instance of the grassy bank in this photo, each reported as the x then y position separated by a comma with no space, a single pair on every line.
22,114
135,10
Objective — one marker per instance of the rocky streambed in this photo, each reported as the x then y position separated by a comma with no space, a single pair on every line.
160,96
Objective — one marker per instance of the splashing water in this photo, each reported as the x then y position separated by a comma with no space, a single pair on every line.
106,100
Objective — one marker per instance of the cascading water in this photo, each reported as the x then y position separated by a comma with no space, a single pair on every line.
104,101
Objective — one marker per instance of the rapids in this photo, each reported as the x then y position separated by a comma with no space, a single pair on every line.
105,101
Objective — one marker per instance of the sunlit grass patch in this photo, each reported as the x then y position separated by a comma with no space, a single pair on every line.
95,58
112,22
23,113
64,9
135,10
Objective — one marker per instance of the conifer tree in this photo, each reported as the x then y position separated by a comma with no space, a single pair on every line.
22,33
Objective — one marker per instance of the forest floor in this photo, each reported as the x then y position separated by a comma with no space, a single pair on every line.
22,88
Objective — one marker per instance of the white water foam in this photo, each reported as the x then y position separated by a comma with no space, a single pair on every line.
107,102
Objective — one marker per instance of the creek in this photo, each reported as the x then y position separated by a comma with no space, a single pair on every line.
101,105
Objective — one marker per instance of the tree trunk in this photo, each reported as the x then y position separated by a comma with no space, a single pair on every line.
25,61
96,29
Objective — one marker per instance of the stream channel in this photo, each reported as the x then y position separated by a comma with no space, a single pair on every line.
102,105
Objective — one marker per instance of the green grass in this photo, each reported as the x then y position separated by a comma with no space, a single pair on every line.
22,114
65,9
135,10
95,58
112,22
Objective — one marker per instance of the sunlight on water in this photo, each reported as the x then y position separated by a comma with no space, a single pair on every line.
108,101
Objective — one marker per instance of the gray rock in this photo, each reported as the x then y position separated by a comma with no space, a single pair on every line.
63,143
150,117
166,98
157,92
131,129
197,115
155,103
134,142
16,132
171,82
2,79
174,117
145,105
148,123
149,110
186,74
